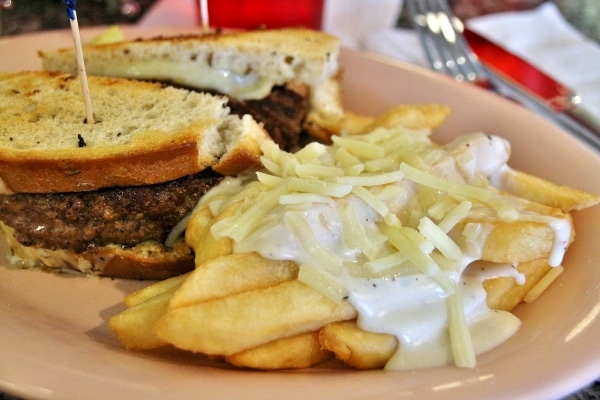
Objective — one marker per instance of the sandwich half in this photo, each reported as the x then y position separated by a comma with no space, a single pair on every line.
286,78
102,198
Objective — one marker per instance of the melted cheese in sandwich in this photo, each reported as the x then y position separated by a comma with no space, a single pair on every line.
198,75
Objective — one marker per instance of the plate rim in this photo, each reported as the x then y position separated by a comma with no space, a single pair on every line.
587,375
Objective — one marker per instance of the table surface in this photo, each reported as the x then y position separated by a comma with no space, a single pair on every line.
34,15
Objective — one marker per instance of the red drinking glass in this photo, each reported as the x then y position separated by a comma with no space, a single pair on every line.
252,14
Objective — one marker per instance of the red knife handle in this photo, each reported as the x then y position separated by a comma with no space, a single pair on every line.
519,70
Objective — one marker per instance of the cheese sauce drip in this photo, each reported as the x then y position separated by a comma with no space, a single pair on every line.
395,225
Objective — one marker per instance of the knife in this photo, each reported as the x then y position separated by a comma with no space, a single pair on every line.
512,67
517,69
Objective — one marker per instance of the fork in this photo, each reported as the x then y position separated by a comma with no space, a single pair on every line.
447,51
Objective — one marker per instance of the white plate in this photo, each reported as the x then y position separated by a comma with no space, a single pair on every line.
54,340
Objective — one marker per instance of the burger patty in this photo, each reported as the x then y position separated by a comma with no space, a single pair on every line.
122,215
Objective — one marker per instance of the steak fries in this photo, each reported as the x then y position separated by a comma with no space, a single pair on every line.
259,306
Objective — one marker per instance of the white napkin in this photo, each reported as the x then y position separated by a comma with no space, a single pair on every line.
350,20
540,36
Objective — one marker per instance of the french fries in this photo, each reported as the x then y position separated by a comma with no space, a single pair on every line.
134,327
505,294
301,351
515,241
417,117
541,191
232,324
422,116
208,247
356,347
232,274
149,292
263,312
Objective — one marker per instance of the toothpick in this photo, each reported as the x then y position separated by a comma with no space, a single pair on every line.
204,15
80,63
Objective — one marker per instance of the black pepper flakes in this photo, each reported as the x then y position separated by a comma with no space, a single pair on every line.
80,141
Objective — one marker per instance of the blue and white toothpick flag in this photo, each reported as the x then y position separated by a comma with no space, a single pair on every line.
80,63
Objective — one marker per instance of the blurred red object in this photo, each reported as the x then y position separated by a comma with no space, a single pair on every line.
465,9
252,14
519,70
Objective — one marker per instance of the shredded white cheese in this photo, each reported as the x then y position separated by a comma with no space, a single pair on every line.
373,219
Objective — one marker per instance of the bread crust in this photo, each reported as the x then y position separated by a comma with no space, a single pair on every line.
130,264
31,175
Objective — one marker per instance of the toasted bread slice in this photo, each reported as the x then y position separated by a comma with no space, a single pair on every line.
244,65
144,133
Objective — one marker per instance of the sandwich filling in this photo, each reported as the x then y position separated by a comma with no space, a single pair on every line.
126,216
282,114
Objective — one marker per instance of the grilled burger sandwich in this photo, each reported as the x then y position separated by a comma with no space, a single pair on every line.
173,116
286,78
102,198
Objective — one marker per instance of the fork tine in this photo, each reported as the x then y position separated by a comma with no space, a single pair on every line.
434,34
418,18
441,35
471,61
424,18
